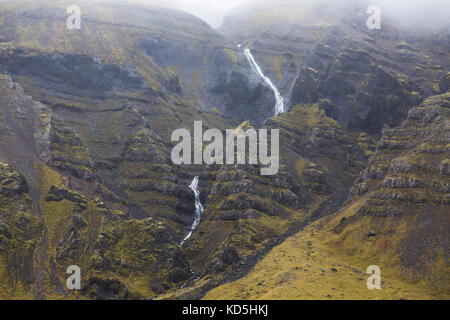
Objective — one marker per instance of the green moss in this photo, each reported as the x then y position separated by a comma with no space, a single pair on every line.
232,55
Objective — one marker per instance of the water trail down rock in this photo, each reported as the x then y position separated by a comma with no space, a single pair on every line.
279,105
198,209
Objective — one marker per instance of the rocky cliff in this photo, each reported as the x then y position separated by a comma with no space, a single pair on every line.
86,179
396,218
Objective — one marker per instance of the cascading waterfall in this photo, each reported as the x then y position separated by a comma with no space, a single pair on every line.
279,106
198,209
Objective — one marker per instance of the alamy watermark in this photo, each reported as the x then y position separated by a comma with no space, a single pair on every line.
234,151
374,21
74,281
374,281
74,19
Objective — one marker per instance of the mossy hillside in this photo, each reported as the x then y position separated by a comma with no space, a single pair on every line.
281,37
73,218
397,205
408,162
367,144
135,251
98,144
61,209
123,136
125,141
142,52
87,140
20,232
444,84
144,18
318,264
364,86
247,212
408,178
250,209
146,185
111,140
347,57
314,144
141,256
68,153
145,171
66,211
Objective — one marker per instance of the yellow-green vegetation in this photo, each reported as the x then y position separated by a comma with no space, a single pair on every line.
140,254
397,220
319,263
87,122
123,131
319,142
56,214
245,211
140,257
20,232
232,55
367,144
279,62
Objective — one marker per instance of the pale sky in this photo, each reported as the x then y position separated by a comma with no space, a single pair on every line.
217,4
417,12
212,11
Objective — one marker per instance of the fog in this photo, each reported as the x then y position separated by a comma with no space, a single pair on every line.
414,13
211,11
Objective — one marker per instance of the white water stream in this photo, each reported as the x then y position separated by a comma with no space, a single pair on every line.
279,105
198,209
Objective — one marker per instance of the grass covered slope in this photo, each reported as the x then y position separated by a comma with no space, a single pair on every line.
401,227
247,214
86,118
318,264
20,232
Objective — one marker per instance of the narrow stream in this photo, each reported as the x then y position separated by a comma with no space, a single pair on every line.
198,209
279,105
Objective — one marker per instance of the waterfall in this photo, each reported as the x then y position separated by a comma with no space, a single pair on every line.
279,105
198,209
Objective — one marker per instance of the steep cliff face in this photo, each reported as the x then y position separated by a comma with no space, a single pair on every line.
20,232
396,218
47,225
86,118
249,209
127,49
324,53
246,214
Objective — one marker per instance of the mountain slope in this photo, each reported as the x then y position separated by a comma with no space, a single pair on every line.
88,125
86,118
322,52
397,218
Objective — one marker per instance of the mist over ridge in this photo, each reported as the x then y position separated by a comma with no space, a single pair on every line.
415,14
92,103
